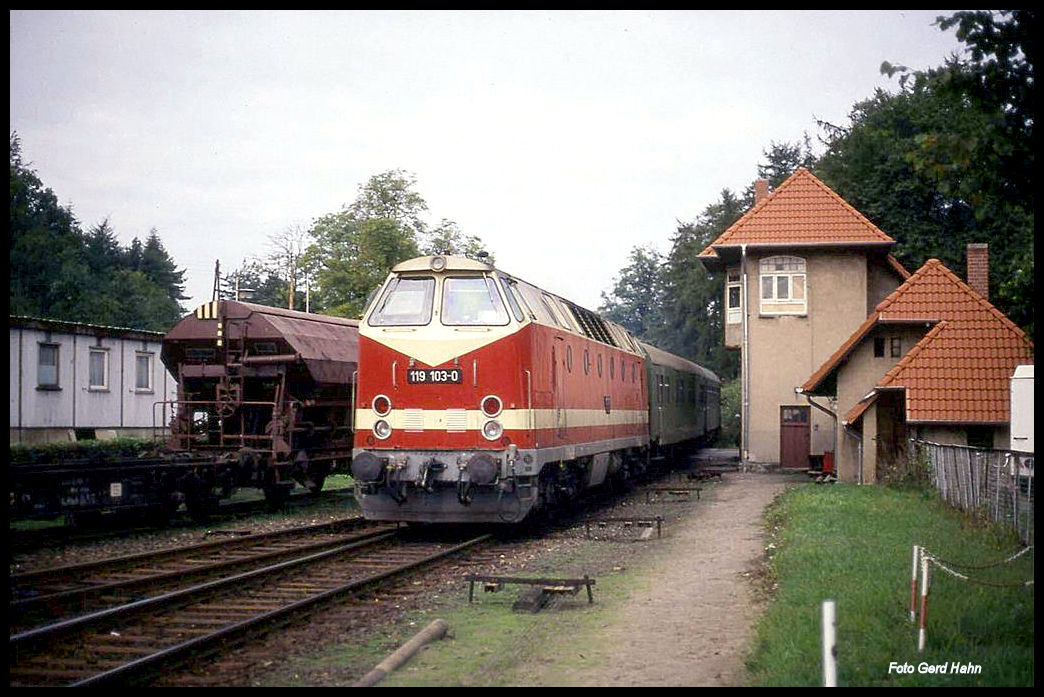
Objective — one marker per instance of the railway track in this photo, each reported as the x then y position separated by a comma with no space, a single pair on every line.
131,640
47,595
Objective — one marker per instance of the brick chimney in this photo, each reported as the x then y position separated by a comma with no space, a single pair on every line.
761,190
979,268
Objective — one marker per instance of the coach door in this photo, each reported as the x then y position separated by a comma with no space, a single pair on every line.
795,437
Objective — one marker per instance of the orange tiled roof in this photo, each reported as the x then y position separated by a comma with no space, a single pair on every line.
801,211
960,371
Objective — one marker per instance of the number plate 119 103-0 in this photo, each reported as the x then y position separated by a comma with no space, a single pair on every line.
434,376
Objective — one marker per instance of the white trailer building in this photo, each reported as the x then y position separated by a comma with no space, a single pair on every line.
74,381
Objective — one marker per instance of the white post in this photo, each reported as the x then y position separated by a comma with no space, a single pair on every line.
913,585
924,602
829,644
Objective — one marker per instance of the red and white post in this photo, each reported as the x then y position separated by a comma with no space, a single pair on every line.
924,602
913,584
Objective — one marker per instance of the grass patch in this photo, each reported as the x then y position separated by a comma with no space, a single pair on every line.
488,643
853,544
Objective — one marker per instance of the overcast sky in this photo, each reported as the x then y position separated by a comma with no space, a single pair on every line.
561,139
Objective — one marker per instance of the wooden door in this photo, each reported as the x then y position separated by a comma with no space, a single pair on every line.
795,437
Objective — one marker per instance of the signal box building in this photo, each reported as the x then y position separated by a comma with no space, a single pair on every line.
837,338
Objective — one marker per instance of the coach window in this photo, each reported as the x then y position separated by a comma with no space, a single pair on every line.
587,362
782,286
143,371
569,358
599,365
407,301
47,367
472,302
98,369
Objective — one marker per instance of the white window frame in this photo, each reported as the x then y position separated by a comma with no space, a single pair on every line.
149,362
784,273
733,313
104,354
43,382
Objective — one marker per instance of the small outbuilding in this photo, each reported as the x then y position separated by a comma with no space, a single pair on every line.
73,381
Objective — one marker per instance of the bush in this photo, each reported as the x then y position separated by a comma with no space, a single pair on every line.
81,450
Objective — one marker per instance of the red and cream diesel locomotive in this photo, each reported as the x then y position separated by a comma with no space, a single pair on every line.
481,398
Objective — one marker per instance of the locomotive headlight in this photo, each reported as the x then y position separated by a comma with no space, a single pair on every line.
491,405
491,430
382,429
381,405
438,264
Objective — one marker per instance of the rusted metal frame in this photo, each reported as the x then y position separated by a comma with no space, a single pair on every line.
212,642
547,583
633,520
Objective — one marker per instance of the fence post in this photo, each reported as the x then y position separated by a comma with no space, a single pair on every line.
924,602
829,644
913,585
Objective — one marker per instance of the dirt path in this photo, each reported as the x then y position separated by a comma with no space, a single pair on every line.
692,623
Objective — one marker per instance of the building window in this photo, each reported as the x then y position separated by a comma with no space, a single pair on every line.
980,437
734,304
894,344
98,369
47,367
782,286
143,372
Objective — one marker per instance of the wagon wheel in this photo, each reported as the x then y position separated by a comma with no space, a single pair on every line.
277,491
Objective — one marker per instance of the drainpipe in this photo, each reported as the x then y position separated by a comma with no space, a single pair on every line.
745,430
832,415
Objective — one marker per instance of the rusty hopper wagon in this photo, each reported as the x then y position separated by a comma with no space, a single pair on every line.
264,395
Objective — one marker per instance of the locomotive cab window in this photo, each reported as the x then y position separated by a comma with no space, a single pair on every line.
472,302
406,302
514,301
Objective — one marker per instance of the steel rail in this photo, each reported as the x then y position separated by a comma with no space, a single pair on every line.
50,631
25,605
37,575
195,647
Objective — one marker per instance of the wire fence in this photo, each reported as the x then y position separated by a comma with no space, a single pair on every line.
997,484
